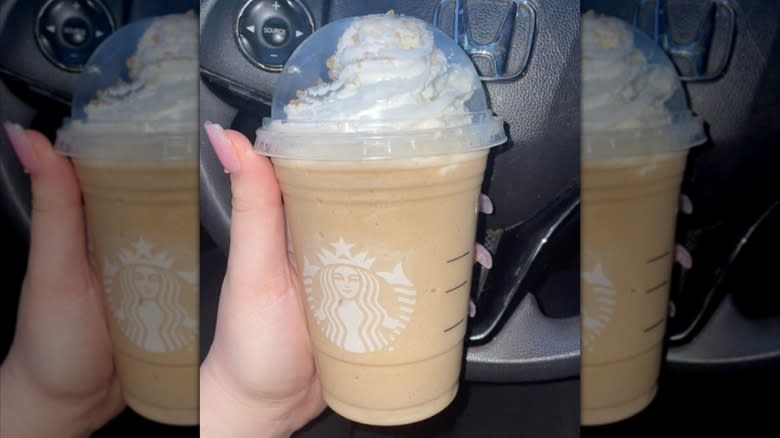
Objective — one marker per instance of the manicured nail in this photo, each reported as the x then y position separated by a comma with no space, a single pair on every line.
222,147
683,257
472,308
686,206
22,147
483,257
485,204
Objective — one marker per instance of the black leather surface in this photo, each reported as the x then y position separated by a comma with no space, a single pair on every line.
738,171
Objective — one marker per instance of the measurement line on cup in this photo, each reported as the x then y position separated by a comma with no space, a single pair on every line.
660,257
655,288
459,257
655,325
456,324
456,287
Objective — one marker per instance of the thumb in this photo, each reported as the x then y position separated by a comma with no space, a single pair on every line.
258,241
57,243
60,311
259,293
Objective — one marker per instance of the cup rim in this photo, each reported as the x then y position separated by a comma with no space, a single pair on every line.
142,142
364,140
686,132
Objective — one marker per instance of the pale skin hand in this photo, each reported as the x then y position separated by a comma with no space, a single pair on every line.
259,378
58,378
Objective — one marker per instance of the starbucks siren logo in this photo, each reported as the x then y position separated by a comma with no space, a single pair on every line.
598,305
358,309
146,302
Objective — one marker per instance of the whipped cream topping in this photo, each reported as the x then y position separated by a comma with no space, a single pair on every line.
621,88
387,68
163,72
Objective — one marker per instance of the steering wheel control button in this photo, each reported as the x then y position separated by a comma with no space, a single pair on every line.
68,31
275,32
268,31
76,31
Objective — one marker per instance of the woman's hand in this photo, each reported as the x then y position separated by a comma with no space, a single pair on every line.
59,377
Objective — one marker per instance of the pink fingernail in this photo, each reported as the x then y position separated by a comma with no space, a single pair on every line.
485,204
686,206
682,256
222,147
483,257
22,147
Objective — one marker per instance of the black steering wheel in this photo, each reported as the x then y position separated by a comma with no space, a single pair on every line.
533,180
40,68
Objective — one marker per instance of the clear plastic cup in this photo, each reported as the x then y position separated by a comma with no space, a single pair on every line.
135,153
381,202
637,131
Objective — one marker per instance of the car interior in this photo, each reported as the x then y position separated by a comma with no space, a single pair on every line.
723,335
522,364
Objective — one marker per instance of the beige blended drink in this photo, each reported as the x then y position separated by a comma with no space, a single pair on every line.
636,133
381,170
134,149
143,224
628,221
385,252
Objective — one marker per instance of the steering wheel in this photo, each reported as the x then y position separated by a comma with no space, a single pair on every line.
533,180
40,69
